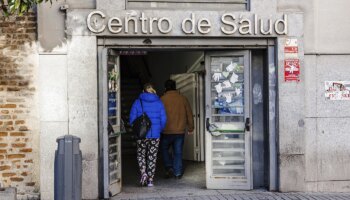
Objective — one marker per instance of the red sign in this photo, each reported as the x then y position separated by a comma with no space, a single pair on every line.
291,70
291,49
291,46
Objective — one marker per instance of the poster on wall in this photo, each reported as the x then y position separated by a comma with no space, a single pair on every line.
292,70
337,90
291,45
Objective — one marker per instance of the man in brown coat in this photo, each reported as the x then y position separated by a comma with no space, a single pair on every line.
179,121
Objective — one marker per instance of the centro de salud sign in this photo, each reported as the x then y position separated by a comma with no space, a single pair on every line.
141,23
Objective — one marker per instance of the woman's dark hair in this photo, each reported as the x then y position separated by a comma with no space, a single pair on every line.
149,88
170,85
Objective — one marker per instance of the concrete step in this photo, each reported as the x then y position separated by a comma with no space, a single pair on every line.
9,193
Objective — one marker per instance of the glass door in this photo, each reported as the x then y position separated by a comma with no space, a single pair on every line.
228,137
110,123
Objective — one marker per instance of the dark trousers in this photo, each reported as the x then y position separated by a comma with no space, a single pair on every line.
174,161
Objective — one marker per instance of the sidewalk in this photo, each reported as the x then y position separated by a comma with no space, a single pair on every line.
192,187
155,194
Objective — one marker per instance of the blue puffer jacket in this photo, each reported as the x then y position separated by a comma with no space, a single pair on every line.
155,110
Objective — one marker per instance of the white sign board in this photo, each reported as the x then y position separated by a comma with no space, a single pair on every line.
337,90
141,23
176,23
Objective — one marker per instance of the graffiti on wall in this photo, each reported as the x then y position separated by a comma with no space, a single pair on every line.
337,90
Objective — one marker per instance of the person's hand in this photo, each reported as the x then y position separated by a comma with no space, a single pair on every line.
190,132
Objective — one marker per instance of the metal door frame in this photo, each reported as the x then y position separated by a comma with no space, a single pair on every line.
102,120
206,44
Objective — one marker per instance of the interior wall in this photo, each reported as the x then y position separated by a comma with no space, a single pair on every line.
163,64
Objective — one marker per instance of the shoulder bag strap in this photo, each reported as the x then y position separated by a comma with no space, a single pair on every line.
141,105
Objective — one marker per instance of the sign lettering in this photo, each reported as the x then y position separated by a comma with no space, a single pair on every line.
230,24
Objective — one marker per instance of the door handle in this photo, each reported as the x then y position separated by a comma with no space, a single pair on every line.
212,128
247,124
207,124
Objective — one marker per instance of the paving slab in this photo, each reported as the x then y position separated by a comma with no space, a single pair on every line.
192,187
247,195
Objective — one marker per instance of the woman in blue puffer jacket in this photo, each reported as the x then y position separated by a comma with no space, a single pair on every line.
147,148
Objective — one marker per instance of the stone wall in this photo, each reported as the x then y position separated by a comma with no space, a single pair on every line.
319,159
18,116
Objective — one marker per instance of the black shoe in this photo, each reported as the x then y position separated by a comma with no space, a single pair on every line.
169,173
178,177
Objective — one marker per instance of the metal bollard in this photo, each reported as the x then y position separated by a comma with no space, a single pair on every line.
68,169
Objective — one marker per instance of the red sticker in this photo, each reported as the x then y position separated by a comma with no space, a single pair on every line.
291,70
291,49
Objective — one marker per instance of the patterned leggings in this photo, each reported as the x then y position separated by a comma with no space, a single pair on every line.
147,150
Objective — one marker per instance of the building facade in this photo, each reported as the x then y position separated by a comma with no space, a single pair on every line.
54,82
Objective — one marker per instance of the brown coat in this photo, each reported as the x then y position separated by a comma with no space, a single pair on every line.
178,112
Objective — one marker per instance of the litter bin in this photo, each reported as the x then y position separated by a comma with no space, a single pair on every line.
68,168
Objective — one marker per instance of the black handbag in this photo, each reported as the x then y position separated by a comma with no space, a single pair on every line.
141,125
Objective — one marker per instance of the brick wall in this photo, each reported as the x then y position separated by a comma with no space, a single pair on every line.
18,129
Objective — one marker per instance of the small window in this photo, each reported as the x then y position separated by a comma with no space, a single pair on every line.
232,5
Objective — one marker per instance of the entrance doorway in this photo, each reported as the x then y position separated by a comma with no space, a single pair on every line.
227,92
187,69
